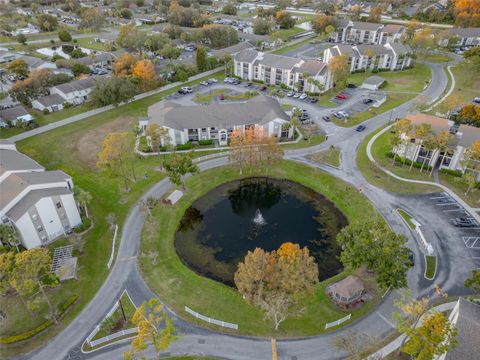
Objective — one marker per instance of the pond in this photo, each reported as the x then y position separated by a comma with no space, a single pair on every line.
218,230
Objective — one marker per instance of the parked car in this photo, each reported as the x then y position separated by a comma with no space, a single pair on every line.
338,115
344,113
326,118
314,100
213,80
296,95
263,88
411,258
236,81
367,101
477,99
464,222
248,84
290,93
303,96
185,90
360,128
204,83
341,96
352,86
226,80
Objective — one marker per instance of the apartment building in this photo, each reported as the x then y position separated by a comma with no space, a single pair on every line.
357,32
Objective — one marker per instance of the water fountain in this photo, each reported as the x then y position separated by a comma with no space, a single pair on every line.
258,219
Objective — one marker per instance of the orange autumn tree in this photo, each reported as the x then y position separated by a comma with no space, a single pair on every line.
145,71
124,65
467,13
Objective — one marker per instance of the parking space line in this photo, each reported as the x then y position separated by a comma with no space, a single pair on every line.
446,204
459,209
439,197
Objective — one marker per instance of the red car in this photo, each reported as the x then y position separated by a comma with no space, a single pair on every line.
341,96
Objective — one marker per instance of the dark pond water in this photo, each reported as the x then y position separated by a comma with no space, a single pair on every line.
218,230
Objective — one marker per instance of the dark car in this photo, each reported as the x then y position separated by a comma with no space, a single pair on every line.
236,82
326,118
314,100
464,222
352,86
367,101
411,258
263,88
248,84
360,128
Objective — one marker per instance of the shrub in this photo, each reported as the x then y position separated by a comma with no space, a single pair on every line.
205,142
86,222
45,111
143,145
400,161
456,173
384,84
63,307
57,57
375,71
186,146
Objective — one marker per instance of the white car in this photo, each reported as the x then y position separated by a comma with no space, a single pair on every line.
213,80
343,113
204,83
186,90
290,93
227,80
296,95
303,96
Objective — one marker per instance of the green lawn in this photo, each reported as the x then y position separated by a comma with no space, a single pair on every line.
330,156
430,266
407,217
178,286
459,186
206,98
89,43
285,34
374,175
287,48
314,140
438,58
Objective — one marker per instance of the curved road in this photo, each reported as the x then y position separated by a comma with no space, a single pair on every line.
198,341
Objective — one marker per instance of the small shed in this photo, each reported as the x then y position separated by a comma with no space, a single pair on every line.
173,197
373,82
346,292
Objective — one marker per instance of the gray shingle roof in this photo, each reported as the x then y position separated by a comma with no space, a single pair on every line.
469,135
279,61
346,50
312,67
17,211
88,60
13,113
11,160
259,110
234,49
468,338
377,49
366,26
50,100
466,32
77,85
400,49
248,55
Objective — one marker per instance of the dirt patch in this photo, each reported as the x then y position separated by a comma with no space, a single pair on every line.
89,145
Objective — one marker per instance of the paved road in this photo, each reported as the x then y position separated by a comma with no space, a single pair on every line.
199,341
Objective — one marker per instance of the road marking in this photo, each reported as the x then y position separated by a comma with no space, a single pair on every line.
470,242
127,259
446,204
439,197
386,320
459,209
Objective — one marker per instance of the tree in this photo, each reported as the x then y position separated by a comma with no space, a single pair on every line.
339,67
35,85
22,39
229,9
8,235
420,133
145,71
467,13
84,198
434,337
124,65
125,14
284,19
31,269
261,26
274,281
375,15
117,156
171,52
422,42
201,58
158,136
79,68
7,263
218,35
357,345
148,318
473,282
112,91
91,18
443,142
177,165
374,245
130,37
404,126
355,12
18,67
47,22
412,27
471,163
64,35
321,22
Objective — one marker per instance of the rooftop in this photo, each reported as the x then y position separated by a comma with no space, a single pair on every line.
13,113
50,100
438,124
11,160
468,327
77,85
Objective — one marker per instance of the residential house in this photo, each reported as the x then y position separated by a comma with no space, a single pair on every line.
35,63
216,121
465,317
272,69
52,103
391,56
39,204
357,32
7,56
452,158
101,60
466,36
75,92
14,115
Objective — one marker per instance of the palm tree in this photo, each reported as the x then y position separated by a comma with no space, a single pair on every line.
404,126
310,79
443,140
429,144
83,198
394,142
420,133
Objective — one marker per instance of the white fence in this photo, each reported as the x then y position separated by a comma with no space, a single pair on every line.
210,320
338,322
113,247
113,337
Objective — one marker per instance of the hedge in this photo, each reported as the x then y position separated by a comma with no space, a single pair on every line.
205,142
186,146
28,334
143,145
402,161
456,173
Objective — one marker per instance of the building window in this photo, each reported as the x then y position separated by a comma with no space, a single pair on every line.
59,205
39,228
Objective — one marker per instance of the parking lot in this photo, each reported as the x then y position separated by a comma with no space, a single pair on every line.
467,232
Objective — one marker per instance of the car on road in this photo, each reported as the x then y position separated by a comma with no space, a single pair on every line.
248,84
290,93
236,81
411,258
464,222
326,118
303,96
338,115
227,80
314,100
204,83
341,96
360,128
296,95
352,86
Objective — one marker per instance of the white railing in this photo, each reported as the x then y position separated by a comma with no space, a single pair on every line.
211,156
338,322
113,247
113,337
210,320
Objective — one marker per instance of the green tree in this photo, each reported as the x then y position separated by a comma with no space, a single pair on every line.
374,245
22,39
420,133
171,52
201,58
229,9
261,26
177,165
84,198
64,35
148,319
47,22
91,18
8,235
113,90
284,19
473,282
79,68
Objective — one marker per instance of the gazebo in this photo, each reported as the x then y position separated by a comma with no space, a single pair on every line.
346,292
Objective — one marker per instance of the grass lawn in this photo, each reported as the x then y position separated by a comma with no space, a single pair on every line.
438,58
330,156
459,186
466,88
407,217
89,43
374,175
285,34
206,98
430,266
178,286
288,48
314,140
